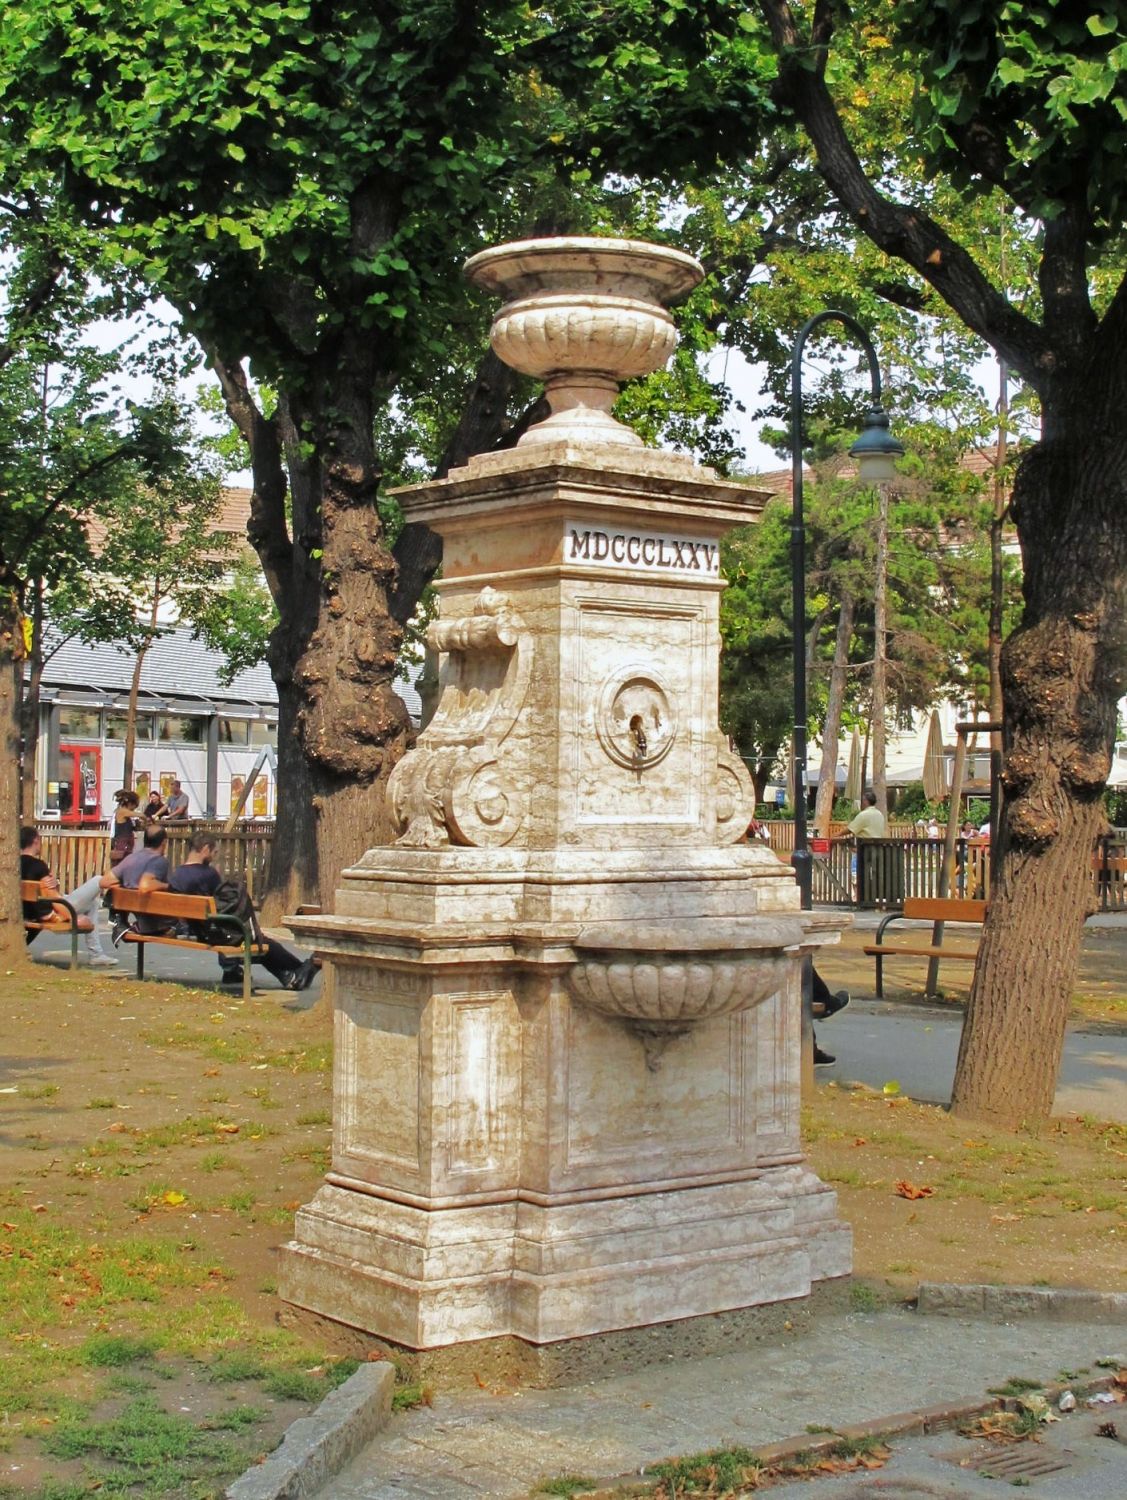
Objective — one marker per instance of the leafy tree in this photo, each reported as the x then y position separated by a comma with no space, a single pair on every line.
303,183
64,451
1027,105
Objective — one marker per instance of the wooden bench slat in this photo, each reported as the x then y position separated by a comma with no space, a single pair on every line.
930,952
163,904
943,909
233,949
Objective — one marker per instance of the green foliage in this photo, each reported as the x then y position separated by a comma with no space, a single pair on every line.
236,618
1045,87
143,1446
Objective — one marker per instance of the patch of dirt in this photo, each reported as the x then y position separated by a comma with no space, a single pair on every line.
931,1198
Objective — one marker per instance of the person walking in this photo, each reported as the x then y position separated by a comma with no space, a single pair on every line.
85,899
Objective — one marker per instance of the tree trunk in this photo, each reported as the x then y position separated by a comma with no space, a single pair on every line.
1063,672
12,945
880,653
29,707
135,689
341,726
997,594
831,727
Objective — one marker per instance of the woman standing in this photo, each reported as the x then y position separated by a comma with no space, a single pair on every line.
123,832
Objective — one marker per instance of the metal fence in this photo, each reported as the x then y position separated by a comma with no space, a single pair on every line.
77,854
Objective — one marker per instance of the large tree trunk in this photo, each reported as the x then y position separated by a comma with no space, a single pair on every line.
341,725
1063,672
831,728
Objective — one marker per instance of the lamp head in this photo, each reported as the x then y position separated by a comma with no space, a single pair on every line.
876,450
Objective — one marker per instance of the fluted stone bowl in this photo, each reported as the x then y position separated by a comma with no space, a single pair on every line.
668,978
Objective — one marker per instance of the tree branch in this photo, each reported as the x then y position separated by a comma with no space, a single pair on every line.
895,228
266,526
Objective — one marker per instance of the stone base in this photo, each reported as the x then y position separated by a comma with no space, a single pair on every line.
426,1278
514,1362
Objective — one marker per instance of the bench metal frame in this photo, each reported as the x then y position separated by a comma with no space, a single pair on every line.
32,890
935,909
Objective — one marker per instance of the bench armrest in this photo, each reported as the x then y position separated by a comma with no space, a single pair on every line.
893,916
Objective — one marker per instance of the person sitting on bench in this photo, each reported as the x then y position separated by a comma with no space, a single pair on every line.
146,869
84,899
197,876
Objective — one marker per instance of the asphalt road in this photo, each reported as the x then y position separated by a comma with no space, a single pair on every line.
875,1042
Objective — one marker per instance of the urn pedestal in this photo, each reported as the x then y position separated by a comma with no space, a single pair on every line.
567,1014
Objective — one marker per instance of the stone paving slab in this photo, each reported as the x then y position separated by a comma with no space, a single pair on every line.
848,1369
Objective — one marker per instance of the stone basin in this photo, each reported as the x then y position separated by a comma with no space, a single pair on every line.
667,977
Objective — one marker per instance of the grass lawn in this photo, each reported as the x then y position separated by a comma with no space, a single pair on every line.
158,1139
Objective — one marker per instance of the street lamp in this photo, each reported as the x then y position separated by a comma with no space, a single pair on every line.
876,452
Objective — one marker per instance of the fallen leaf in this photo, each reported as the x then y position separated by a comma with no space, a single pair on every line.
1005,1218
891,1088
211,1073
173,1198
860,1141
910,1190
226,1129
39,1208
116,1128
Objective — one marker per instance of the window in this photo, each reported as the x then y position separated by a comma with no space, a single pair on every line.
234,732
116,722
80,723
263,734
189,729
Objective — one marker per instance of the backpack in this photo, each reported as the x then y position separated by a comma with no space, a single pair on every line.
231,899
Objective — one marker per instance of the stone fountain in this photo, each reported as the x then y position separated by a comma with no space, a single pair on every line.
567,998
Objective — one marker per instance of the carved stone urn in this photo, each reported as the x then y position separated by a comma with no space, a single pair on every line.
582,315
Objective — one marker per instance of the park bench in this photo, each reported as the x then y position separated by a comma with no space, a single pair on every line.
32,890
925,909
173,907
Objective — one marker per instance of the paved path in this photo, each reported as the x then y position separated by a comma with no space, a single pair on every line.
847,1368
874,1042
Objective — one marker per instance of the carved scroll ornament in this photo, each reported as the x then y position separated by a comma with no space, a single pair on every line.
453,787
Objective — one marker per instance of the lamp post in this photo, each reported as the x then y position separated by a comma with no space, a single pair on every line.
876,452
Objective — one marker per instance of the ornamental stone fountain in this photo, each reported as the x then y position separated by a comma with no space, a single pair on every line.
567,998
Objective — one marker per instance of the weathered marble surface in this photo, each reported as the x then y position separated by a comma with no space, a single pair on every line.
567,1053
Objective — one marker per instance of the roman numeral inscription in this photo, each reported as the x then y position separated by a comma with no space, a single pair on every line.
648,550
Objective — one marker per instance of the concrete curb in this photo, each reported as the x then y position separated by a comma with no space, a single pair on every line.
317,1447
1004,1303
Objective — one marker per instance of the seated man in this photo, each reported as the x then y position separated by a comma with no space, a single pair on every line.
197,876
146,869
84,900
177,804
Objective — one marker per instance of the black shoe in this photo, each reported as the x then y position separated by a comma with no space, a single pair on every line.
822,1059
304,975
118,928
835,1003
232,976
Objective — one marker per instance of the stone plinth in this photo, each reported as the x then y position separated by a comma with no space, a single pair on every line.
567,1016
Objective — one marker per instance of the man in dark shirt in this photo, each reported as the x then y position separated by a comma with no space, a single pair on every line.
197,876
146,869
84,899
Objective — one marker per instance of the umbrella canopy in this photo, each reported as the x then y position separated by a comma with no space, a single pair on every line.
935,766
852,791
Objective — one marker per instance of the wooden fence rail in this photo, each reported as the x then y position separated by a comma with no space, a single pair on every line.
873,873
77,854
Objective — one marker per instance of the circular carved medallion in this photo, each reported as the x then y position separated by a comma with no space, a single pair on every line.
635,719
